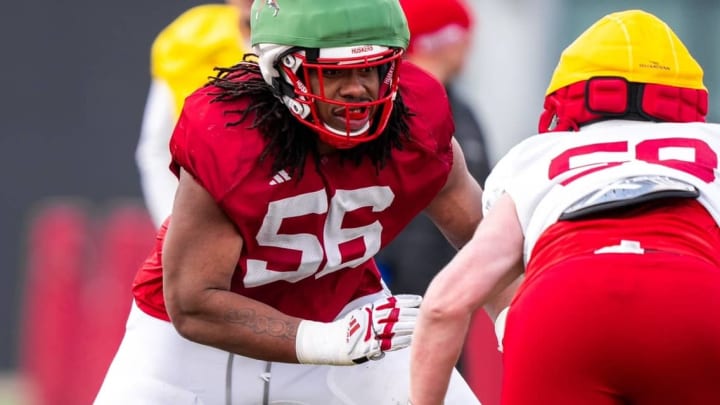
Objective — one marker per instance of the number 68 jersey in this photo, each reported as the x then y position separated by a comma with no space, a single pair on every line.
607,164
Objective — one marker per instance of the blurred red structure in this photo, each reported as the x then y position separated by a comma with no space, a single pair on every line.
77,295
482,362
125,238
57,245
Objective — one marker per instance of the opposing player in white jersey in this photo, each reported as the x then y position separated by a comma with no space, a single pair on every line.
613,216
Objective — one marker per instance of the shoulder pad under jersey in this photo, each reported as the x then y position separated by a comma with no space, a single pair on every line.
216,154
432,123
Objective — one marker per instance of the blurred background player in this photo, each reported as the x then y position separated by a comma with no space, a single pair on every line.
440,35
612,211
183,57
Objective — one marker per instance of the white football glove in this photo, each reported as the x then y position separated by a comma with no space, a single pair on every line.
364,334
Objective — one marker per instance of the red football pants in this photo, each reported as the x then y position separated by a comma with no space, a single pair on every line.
606,329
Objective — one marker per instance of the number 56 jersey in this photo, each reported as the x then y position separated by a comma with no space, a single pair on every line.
308,242
547,174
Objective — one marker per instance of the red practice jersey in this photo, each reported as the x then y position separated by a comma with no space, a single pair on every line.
309,244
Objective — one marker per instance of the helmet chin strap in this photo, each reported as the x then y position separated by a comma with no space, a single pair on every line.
360,131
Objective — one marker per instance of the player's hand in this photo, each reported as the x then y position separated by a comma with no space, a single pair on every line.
364,334
383,326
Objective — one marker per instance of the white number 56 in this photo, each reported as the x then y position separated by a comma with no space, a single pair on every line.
377,198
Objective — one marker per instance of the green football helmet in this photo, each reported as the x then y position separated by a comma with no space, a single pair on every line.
295,37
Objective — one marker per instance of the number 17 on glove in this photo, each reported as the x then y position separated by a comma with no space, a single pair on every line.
365,333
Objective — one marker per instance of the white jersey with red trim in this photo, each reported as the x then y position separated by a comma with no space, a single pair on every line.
547,173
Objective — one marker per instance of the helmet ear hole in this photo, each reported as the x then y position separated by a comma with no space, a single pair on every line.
296,107
291,62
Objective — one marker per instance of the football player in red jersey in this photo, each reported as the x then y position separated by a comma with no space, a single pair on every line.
614,218
294,171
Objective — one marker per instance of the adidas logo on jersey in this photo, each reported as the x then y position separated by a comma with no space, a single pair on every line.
280,177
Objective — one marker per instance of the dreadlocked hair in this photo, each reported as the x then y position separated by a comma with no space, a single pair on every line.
288,141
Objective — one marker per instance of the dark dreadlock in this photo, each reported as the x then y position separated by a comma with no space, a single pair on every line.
288,141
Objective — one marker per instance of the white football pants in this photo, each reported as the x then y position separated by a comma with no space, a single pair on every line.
156,366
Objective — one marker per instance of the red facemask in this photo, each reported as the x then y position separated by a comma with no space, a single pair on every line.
303,104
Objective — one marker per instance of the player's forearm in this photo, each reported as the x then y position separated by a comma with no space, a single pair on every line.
440,333
436,347
234,323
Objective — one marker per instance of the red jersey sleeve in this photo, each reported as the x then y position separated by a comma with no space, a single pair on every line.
205,145
432,125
